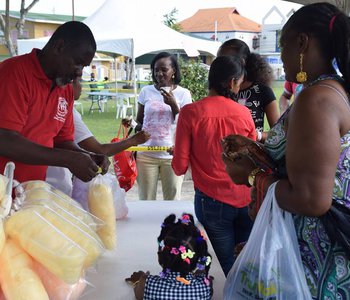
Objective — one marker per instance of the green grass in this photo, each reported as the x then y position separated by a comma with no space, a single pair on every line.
277,87
105,126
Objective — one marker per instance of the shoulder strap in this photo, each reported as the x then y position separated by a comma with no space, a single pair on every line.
338,92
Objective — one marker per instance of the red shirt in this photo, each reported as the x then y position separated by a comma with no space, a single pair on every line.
200,129
29,107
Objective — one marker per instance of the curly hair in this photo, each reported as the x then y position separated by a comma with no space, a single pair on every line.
182,247
257,68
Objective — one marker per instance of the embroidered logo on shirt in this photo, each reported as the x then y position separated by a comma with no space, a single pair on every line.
62,110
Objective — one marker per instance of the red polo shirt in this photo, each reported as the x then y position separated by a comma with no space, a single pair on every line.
200,129
29,107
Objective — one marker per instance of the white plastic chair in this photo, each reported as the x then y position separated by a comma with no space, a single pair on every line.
123,105
104,101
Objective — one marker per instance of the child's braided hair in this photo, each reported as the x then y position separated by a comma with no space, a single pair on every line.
182,247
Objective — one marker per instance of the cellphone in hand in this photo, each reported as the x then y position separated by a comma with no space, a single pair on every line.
166,89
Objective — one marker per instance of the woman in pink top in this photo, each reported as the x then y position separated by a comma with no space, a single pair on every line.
220,205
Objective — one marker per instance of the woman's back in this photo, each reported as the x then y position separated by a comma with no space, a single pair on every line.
208,121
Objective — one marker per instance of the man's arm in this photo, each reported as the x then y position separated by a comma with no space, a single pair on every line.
16,147
109,149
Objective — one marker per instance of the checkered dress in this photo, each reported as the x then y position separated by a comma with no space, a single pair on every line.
168,288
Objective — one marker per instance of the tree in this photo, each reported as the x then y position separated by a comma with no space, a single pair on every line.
171,21
5,24
23,14
195,78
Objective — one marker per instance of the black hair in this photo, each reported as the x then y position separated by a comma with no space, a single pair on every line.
184,233
330,27
257,68
73,32
174,64
222,70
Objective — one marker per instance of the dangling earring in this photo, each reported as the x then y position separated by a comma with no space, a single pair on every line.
301,76
173,76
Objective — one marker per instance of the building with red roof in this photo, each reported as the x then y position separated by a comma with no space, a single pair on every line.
222,24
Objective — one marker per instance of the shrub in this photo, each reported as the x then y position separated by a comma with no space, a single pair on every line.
195,78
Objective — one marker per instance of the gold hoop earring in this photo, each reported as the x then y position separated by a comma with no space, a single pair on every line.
301,76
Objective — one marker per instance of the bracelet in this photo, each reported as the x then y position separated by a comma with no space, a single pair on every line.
135,283
252,175
259,136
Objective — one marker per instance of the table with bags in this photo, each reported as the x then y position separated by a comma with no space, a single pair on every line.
137,250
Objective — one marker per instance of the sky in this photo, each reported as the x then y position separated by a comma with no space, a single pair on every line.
252,9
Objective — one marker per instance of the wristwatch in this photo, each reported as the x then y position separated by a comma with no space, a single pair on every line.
252,175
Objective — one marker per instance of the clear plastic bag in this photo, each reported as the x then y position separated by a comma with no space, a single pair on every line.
80,194
269,266
100,202
119,195
56,288
47,244
40,192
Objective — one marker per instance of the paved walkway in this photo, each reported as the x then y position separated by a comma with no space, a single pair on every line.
187,192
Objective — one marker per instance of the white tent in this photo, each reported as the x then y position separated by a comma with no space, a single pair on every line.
118,19
124,29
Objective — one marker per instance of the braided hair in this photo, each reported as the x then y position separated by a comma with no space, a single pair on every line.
222,71
257,68
182,247
331,28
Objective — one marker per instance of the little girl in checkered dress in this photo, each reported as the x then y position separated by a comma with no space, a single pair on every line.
183,255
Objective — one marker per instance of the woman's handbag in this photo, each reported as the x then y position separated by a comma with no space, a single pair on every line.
269,266
336,222
236,146
124,163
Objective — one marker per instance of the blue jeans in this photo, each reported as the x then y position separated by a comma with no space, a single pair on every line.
226,226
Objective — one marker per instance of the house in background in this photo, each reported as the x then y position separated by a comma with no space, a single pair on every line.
39,25
269,39
221,24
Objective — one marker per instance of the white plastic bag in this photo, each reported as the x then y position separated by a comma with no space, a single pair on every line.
269,266
80,193
119,195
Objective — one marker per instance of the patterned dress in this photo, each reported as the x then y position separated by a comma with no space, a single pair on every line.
327,267
168,288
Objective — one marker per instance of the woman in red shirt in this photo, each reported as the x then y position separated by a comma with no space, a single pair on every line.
220,205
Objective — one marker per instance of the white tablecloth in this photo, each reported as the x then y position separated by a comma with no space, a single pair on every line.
137,250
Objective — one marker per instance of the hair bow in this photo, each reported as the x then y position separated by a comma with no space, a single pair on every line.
188,254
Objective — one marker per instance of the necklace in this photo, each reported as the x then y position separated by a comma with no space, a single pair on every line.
324,77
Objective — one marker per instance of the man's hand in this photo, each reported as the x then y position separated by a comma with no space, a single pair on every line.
140,137
82,166
102,161
126,122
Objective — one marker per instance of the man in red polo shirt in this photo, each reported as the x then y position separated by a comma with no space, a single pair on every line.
36,101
